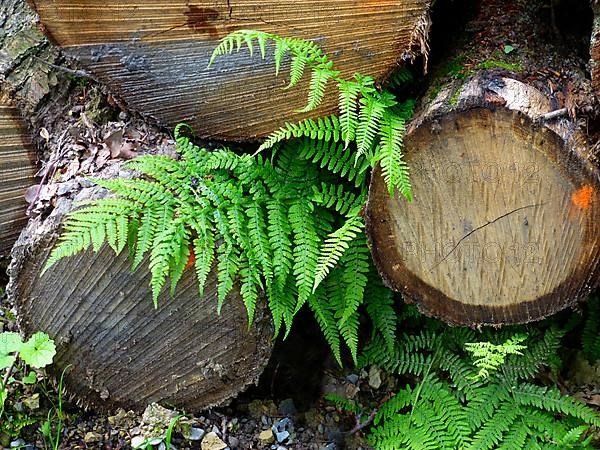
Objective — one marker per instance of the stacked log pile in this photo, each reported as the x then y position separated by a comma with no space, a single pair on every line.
152,60
504,226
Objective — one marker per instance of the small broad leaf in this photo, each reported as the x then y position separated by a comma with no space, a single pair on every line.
508,49
9,343
6,361
30,378
38,351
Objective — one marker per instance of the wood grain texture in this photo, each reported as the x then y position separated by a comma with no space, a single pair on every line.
120,350
154,54
17,173
505,222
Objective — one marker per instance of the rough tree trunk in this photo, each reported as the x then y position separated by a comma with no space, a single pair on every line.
120,350
155,55
505,222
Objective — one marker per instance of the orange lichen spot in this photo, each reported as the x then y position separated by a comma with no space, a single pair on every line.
191,259
582,197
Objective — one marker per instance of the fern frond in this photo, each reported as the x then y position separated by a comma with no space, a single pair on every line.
89,225
326,320
372,109
336,197
527,394
334,247
393,167
279,234
348,98
379,302
297,67
335,158
324,128
590,336
233,41
259,239
320,76
400,78
306,249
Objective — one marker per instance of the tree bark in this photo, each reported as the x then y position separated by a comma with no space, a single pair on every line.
155,56
505,223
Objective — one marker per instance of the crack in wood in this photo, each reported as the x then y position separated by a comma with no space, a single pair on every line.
481,227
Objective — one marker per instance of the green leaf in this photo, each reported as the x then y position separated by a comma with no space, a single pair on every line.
30,378
508,49
393,167
38,351
6,361
9,343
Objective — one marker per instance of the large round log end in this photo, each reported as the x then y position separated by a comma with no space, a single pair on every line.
155,55
505,222
119,350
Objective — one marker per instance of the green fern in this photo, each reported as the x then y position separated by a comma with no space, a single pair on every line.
490,357
281,226
450,405
373,121
590,336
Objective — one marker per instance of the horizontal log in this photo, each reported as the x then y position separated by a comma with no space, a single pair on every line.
155,55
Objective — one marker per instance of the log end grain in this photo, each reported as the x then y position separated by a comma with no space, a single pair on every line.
18,163
119,350
505,222
155,55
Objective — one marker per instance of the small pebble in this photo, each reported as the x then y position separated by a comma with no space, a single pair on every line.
282,425
234,442
137,441
212,442
265,420
282,436
17,443
91,437
374,377
266,437
196,434
352,378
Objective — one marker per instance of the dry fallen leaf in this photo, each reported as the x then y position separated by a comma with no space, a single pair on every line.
119,147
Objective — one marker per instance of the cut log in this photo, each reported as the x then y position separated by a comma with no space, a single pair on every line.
155,55
505,223
17,172
120,351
